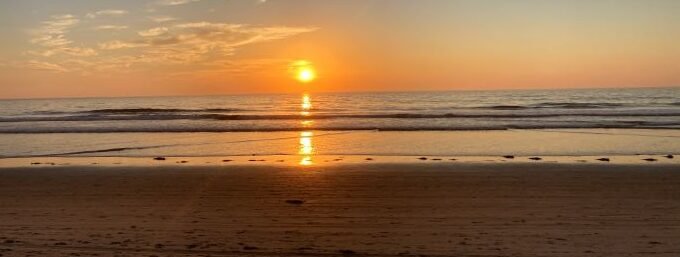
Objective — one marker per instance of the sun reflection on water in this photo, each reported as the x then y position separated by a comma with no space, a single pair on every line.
306,147
306,105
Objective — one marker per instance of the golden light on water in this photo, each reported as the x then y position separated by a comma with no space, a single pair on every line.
306,148
306,105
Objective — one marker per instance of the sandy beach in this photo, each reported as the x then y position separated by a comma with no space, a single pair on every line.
433,209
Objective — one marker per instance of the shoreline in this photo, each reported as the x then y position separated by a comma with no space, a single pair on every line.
331,160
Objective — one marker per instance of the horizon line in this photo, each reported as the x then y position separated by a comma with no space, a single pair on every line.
345,92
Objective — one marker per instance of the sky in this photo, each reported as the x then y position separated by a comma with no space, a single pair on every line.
82,48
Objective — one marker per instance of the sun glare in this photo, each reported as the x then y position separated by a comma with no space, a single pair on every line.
306,75
303,71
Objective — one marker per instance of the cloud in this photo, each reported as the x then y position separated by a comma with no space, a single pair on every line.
79,51
51,38
153,32
51,34
45,66
161,19
194,44
190,45
174,2
110,27
109,12
117,44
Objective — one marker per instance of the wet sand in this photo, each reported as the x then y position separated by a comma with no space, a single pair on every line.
377,209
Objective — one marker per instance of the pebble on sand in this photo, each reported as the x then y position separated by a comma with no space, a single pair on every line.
669,156
603,159
649,159
159,158
509,156
422,158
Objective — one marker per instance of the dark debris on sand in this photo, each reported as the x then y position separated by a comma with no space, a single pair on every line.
649,159
536,158
250,248
159,158
369,159
669,156
422,158
347,252
509,156
227,160
603,159
295,201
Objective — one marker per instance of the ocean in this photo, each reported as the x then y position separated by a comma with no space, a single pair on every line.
403,123
406,111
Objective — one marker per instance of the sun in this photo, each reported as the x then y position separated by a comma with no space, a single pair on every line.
303,71
306,75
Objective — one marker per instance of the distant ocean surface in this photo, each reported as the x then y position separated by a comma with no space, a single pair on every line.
405,111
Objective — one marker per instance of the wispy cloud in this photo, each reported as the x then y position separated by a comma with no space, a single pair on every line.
110,27
45,66
153,32
51,34
109,12
117,44
161,19
51,38
198,42
174,2
193,45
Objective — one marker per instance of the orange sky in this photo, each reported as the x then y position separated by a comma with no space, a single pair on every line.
203,47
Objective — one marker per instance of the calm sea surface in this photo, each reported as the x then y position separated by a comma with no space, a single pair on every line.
488,110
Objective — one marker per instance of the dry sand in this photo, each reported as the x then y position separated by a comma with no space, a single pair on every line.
359,210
